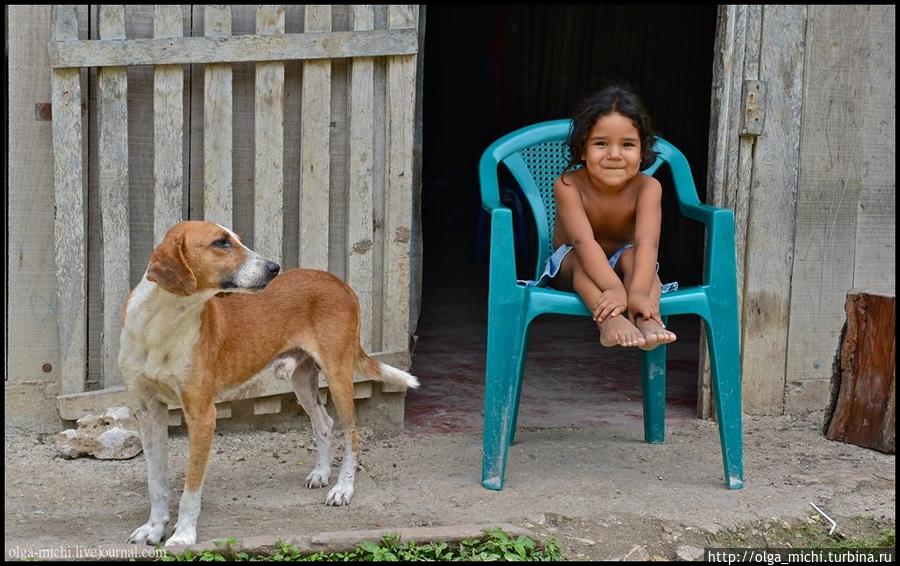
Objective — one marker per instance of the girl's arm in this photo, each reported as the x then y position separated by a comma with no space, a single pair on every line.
648,219
570,212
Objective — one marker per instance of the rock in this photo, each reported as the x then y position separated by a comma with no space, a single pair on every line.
689,553
636,554
110,436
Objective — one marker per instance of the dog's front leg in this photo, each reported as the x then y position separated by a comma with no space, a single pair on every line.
200,417
153,419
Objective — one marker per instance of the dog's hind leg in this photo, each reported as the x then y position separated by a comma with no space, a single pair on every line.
153,418
305,378
340,383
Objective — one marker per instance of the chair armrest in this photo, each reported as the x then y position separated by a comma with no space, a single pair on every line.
719,265
704,213
502,254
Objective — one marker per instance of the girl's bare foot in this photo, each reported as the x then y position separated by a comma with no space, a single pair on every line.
618,331
654,333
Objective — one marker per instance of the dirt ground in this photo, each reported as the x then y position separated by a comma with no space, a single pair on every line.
600,491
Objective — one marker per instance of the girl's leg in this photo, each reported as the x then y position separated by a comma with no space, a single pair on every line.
615,330
653,332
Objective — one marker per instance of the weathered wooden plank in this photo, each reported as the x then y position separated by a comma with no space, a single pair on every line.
177,51
771,220
168,124
416,241
31,298
362,140
828,195
264,384
379,189
876,219
217,125
69,227
267,405
401,87
731,154
269,160
315,149
864,408
113,181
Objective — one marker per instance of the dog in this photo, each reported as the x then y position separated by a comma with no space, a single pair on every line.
208,314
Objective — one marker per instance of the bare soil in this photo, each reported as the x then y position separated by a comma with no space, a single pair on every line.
600,491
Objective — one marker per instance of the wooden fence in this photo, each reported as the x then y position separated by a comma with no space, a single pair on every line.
359,225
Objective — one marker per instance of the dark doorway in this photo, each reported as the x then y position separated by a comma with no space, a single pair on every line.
489,70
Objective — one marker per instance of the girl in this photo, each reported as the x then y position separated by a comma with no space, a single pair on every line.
609,213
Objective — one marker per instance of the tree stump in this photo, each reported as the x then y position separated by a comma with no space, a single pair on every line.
862,408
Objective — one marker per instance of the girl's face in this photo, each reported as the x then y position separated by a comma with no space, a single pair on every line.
612,152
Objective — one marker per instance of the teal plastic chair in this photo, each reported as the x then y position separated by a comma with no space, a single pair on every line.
536,155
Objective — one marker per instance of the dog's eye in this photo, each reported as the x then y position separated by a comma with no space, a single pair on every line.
223,243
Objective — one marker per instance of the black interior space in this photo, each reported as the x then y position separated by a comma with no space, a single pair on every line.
489,70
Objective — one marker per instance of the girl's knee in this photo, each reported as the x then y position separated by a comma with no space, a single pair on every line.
626,260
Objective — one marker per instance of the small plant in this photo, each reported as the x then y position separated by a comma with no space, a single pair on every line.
495,545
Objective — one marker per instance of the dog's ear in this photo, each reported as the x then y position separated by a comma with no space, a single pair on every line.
169,269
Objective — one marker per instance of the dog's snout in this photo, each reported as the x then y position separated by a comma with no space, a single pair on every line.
273,267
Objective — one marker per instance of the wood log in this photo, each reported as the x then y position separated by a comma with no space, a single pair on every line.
863,399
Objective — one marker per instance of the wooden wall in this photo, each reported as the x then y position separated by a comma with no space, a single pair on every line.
814,193
813,186
31,302
389,112
846,193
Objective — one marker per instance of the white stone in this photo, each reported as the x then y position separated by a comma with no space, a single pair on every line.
110,436
689,553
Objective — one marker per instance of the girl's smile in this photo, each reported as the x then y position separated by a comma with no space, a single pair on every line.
612,154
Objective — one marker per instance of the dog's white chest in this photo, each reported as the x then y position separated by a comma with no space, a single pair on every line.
159,335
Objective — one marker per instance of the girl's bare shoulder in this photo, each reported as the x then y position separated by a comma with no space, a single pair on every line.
569,180
645,183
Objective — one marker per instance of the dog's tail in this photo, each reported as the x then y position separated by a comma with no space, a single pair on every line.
382,372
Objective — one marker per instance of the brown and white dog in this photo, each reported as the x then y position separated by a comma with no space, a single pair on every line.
183,342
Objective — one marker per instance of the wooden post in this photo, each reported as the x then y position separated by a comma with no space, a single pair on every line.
863,397
315,148
217,116
268,199
168,123
70,211
401,103
362,165
113,159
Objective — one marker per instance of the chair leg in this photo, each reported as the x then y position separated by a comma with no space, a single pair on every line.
520,371
653,383
505,352
724,358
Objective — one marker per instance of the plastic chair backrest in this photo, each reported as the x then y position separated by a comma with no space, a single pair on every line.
536,155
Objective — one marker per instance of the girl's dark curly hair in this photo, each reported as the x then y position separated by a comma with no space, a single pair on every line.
612,98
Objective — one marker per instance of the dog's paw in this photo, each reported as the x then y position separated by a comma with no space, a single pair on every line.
318,478
149,533
339,495
183,536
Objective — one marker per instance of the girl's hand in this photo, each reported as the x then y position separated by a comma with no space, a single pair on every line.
640,305
613,302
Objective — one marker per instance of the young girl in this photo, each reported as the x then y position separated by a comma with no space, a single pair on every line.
609,213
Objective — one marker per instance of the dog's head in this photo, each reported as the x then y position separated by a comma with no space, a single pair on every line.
197,256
